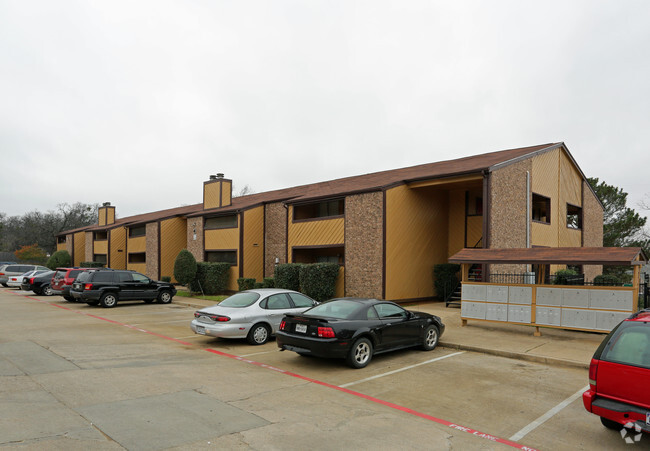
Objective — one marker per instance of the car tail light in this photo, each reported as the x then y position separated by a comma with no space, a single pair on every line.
88,286
593,371
326,332
31,281
283,324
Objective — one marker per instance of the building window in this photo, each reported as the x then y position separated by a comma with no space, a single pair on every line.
61,240
221,222
100,235
541,209
137,231
100,258
138,257
319,210
319,255
222,257
573,217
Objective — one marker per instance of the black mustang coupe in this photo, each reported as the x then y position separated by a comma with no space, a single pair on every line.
356,329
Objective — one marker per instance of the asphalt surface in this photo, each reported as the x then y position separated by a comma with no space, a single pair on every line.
135,377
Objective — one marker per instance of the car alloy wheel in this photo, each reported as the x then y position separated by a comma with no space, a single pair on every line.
258,335
108,300
360,353
165,297
430,338
47,290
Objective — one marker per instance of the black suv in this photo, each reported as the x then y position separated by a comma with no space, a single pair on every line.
108,286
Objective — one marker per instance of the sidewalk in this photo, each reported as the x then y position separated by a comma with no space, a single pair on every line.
554,347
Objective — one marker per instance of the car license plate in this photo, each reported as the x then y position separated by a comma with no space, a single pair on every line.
301,328
200,330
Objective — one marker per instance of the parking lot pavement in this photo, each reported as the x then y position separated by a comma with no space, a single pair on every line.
136,377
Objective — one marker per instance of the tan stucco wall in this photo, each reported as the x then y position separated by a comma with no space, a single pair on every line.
195,246
152,250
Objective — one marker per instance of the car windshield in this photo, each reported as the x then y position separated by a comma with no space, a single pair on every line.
340,309
630,346
243,299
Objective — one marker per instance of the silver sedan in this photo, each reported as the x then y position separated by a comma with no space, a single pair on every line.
251,314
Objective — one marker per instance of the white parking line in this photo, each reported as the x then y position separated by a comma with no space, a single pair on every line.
547,416
400,370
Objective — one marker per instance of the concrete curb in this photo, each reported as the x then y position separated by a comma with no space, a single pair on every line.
517,355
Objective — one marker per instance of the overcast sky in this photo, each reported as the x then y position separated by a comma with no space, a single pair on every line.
138,102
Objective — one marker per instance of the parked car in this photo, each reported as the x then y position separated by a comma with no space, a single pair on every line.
356,329
107,287
251,314
619,376
16,281
63,280
16,270
39,284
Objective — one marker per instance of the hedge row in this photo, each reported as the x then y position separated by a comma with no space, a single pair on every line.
211,278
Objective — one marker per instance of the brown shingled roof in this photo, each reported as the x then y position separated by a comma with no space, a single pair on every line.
378,180
624,256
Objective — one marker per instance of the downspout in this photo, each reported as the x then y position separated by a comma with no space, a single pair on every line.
528,215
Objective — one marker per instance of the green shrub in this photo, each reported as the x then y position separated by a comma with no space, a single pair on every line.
59,259
166,279
185,268
268,282
92,264
445,278
607,279
245,283
318,280
258,285
211,278
287,276
564,276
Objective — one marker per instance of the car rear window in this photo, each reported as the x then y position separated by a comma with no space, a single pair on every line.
242,299
83,277
630,345
74,273
336,309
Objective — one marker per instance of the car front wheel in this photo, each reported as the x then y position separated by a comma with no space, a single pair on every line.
108,300
360,353
259,334
430,338
165,297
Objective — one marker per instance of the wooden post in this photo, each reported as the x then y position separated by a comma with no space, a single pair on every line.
464,269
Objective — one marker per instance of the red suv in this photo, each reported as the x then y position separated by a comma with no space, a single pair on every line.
619,376
63,279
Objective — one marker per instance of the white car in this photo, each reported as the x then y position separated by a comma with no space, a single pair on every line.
16,281
251,314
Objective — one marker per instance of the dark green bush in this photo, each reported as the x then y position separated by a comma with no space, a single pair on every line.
185,267
166,279
607,279
564,276
259,285
245,283
211,278
287,276
59,259
445,277
268,282
318,280
92,264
